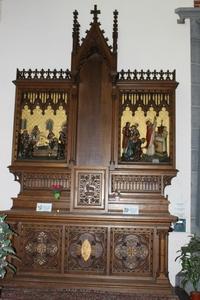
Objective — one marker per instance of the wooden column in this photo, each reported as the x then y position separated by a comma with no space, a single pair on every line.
73,125
163,245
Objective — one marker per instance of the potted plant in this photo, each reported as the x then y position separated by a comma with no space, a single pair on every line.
6,249
189,255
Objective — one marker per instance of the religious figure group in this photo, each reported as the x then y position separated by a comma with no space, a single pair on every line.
131,142
36,144
155,142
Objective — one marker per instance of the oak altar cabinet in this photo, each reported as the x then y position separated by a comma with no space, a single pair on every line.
93,150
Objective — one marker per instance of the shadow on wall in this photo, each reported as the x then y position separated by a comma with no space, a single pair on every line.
181,294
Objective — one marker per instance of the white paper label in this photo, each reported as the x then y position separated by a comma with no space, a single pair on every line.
131,210
44,207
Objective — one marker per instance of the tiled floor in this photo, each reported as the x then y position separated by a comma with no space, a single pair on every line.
76,294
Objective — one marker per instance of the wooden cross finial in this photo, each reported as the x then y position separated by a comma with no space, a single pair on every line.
95,13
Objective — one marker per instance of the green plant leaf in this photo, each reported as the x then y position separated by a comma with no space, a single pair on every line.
2,273
6,249
12,267
189,256
9,250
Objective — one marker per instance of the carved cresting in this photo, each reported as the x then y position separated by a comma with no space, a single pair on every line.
41,248
132,250
86,249
146,75
43,74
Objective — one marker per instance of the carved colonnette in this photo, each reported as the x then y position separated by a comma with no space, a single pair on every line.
106,139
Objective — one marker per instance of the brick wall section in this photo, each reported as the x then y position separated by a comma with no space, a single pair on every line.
197,3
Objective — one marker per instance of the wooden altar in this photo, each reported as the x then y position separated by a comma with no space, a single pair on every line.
103,141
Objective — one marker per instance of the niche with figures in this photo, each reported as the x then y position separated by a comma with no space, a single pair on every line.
43,125
145,127
41,119
146,117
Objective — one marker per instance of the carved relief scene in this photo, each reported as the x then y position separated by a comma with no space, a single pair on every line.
43,129
145,127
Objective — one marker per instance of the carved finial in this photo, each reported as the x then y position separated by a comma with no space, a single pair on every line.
115,30
174,75
75,34
75,13
78,34
95,13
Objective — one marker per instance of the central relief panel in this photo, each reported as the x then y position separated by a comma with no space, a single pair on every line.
86,249
89,188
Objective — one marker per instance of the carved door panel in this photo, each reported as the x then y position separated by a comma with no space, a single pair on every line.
40,248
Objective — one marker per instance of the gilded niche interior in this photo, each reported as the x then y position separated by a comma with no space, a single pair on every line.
43,128
104,141
145,127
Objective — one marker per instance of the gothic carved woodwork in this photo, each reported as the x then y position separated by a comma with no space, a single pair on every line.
163,245
106,139
112,248
132,251
136,183
43,181
89,189
86,249
41,132
154,109
40,248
